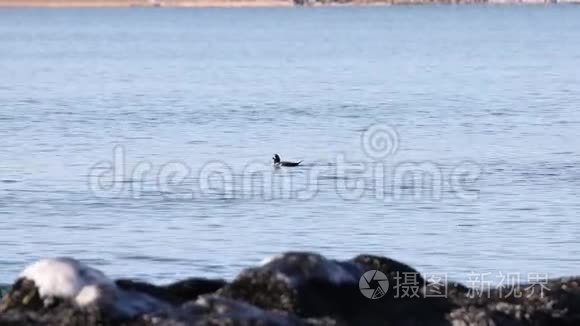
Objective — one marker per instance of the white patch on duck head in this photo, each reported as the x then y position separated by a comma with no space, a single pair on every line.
68,278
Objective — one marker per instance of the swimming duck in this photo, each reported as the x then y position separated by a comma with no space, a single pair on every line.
279,163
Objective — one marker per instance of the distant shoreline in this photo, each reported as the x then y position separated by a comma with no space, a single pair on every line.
144,3
252,3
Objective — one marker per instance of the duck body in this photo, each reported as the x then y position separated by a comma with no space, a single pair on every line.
278,162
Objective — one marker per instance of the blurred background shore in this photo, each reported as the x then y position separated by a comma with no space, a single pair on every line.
247,3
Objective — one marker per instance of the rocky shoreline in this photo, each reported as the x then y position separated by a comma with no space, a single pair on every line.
294,288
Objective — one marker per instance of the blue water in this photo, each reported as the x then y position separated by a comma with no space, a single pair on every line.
485,98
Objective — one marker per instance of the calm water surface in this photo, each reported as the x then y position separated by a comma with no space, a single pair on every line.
196,92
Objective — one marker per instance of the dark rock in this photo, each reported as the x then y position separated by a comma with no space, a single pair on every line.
303,283
292,289
312,286
24,306
175,293
553,302
217,310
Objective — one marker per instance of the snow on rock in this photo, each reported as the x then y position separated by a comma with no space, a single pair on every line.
68,278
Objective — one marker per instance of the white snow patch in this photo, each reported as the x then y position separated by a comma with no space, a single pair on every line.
68,278
88,295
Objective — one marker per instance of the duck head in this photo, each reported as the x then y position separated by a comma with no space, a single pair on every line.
276,159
